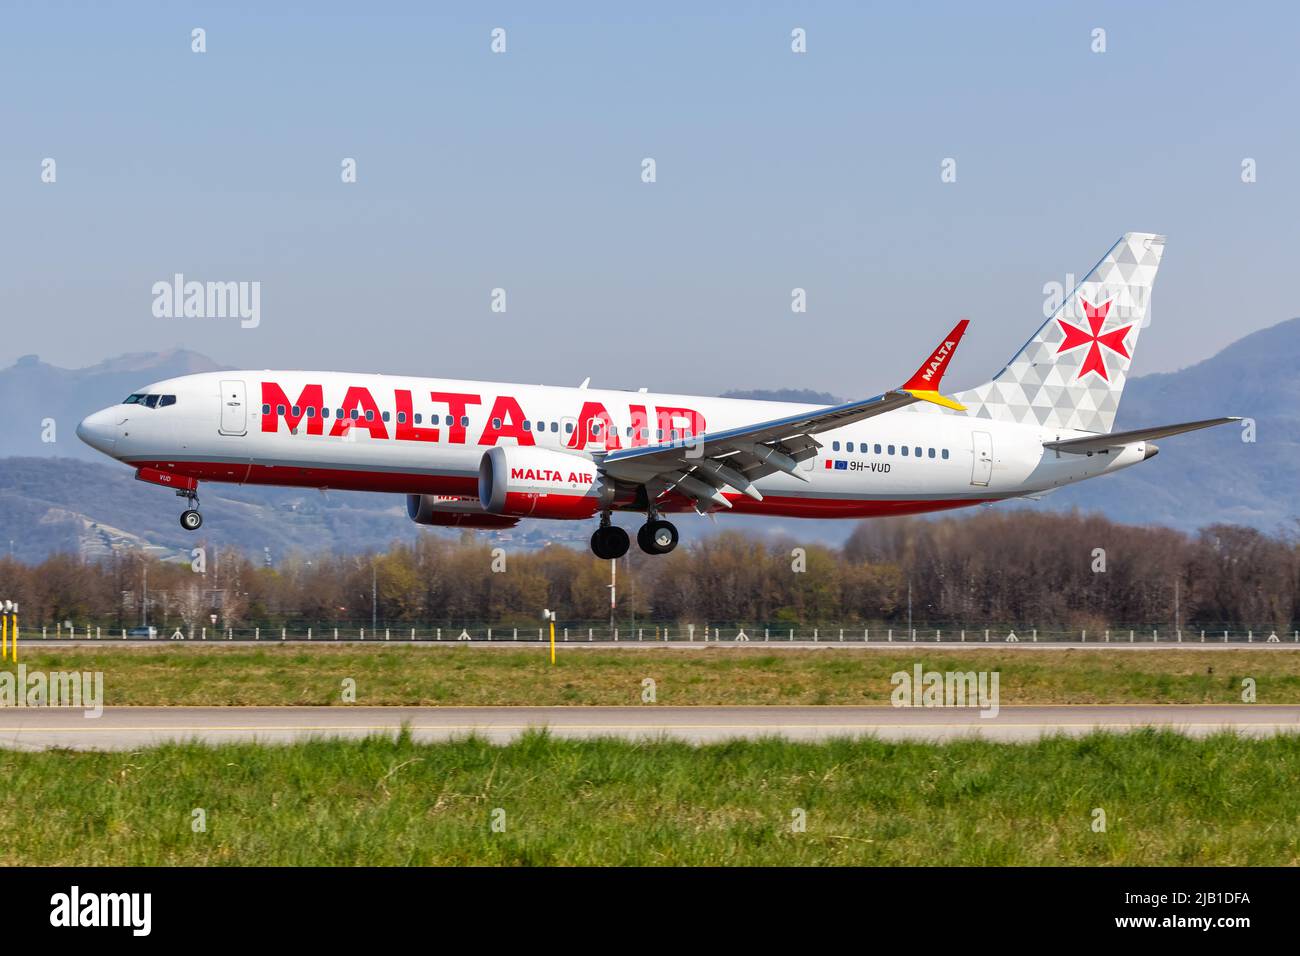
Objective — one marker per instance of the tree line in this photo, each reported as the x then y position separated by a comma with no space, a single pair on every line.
1013,568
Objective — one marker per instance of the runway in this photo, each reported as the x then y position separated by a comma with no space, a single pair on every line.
128,728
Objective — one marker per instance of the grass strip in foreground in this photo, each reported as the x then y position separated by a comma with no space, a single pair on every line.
1167,800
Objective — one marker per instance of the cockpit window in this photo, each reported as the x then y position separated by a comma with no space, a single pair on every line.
149,401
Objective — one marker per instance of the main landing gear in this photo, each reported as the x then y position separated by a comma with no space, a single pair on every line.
655,537
191,520
609,541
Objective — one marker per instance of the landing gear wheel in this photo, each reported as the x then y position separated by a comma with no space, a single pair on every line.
657,537
610,542
191,520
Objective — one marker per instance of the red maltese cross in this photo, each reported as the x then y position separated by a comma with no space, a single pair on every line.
1075,337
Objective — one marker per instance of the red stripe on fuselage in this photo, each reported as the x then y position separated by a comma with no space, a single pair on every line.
341,479
345,479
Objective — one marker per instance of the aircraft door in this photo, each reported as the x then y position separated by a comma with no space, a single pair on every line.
234,409
982,469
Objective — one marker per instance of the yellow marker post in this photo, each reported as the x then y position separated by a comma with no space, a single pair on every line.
549,617
4,636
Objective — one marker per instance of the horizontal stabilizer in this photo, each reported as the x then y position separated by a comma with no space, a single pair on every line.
1095,443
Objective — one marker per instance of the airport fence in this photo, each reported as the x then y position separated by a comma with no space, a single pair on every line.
673,633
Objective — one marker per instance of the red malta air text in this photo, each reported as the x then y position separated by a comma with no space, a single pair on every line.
504,420
546,474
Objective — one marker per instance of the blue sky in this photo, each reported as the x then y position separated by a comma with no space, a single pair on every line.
522,171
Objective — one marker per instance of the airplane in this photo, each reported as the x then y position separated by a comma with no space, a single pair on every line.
489,454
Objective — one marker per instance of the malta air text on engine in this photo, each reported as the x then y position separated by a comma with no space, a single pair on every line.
448,416
546,474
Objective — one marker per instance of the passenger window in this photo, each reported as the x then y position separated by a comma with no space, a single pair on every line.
568,428
904,451
464,421
945,454
419,417
266,409
849,447
385,416
339,414
354,414
931,452
401,418
279,409
555,426
370,415
878,450
835,446
324,413
167,400
527,425
918,451
296,411
311,411
496,424
891,449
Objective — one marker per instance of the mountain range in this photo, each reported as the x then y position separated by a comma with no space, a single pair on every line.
58,494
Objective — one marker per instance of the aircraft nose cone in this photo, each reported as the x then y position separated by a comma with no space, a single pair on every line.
98,431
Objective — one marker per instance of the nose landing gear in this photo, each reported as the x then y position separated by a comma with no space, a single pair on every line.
191,520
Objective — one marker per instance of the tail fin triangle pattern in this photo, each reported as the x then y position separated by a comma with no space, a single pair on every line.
1071,374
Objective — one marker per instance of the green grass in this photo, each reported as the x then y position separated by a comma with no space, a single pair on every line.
1169,800
398,674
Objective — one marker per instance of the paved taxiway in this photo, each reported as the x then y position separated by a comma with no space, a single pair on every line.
125,728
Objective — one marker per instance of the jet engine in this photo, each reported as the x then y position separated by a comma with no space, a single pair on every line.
453,511
530,482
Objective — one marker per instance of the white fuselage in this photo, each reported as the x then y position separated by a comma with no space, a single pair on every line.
428,436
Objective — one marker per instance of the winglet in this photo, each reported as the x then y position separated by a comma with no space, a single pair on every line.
924,385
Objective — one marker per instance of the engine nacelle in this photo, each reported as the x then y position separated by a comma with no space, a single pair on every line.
453,511
530,482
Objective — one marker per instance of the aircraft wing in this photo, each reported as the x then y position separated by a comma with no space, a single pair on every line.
703,466
1094,443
